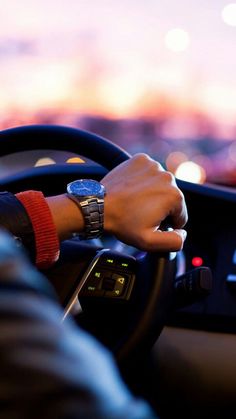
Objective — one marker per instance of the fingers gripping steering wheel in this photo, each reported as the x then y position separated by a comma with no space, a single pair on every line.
127,327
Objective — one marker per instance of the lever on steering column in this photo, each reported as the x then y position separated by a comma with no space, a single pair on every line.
192,286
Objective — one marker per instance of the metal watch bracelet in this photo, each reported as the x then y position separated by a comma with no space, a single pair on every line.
93,213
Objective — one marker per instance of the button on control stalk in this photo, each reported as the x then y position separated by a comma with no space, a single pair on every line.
192,286
112,277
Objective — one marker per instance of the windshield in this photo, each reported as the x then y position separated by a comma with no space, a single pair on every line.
152,76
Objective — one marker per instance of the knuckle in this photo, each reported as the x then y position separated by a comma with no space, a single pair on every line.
141,157
168,177
176,201
178,195
158,166
153,166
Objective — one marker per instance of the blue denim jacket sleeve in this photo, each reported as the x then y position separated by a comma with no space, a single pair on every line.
49,368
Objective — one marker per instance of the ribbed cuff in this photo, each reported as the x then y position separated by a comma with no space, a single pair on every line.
46,238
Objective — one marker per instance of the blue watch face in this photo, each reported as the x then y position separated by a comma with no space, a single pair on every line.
85,187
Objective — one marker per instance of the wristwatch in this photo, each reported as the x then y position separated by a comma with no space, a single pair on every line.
89,195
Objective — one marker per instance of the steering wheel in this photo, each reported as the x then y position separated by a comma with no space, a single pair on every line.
129,327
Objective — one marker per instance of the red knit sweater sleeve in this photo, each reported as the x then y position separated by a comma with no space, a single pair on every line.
46,238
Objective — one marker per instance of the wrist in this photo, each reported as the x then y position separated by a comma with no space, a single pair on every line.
67,216
88,195
110,210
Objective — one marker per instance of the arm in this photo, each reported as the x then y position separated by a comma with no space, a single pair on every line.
49,368
140,196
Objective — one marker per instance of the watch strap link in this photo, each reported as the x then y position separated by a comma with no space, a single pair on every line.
93,212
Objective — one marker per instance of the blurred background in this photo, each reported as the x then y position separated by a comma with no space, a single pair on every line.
152,76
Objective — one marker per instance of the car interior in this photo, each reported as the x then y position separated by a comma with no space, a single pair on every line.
169,319
97,82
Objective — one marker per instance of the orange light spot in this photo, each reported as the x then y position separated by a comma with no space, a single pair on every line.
75,160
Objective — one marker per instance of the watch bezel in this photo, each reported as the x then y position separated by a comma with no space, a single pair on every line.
94,188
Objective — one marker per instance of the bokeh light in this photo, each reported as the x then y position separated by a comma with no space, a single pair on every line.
197,261
229,14
177,40
174,159
191,172
44,161
74,160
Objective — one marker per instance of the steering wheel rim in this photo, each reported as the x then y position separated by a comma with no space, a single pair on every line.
32,136
155,273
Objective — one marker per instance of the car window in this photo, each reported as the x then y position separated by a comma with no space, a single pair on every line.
155,77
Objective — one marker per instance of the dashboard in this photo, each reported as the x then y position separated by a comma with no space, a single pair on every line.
14,163
211,242
195,356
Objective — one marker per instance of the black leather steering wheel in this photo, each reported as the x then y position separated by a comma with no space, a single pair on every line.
129,328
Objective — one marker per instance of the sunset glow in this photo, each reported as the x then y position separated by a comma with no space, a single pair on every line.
118,60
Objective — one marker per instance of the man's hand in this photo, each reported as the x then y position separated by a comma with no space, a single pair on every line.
140,197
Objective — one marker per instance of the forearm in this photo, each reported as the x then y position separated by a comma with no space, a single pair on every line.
39,222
